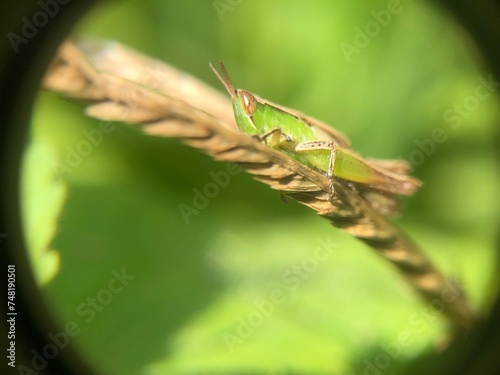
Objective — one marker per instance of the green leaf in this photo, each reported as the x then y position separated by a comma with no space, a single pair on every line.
43,196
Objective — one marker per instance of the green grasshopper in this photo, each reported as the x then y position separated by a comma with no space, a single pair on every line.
315,144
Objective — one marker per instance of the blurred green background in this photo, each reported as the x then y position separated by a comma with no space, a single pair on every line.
191,303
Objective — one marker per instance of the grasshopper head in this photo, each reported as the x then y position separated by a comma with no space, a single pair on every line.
244,103
244,106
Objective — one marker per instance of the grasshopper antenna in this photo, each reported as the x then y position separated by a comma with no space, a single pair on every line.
224,78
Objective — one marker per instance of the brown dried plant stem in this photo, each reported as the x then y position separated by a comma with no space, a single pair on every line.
122,85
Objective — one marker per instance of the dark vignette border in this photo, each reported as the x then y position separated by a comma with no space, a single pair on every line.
21,71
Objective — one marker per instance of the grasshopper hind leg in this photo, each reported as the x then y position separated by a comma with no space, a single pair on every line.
322,145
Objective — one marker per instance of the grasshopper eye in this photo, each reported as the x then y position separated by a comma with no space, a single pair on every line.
248,102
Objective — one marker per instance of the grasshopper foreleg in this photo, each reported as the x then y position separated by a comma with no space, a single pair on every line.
275,136
322,145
